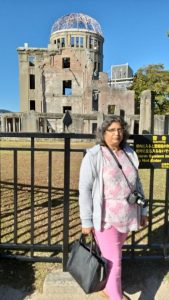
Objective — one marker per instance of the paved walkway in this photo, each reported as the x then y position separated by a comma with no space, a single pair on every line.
61,286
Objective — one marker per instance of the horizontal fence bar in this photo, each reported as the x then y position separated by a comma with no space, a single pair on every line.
28,149
47,135
32,259
144,257
143,246
36,247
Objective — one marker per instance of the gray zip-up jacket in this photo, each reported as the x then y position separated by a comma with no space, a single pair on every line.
91,186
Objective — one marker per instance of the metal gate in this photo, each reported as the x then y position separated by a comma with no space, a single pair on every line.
39,199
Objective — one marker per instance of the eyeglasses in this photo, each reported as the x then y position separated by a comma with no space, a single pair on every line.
113,130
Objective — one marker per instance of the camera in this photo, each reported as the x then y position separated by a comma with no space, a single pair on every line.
136,197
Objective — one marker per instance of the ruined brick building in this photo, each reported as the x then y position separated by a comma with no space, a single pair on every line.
67,78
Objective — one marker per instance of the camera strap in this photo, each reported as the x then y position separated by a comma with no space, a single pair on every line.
131,161
120,166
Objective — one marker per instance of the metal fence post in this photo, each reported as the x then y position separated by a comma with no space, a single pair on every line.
15,172
166,229
32,190
66,201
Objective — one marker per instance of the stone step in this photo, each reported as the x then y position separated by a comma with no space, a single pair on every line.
62,285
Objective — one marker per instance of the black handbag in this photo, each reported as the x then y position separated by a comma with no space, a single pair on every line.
86,265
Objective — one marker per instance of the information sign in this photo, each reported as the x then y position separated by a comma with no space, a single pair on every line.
152,151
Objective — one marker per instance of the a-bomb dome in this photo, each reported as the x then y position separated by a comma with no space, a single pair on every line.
77,21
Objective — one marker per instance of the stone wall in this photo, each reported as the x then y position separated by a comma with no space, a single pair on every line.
34,122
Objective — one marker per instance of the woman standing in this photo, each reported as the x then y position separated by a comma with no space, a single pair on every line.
103,197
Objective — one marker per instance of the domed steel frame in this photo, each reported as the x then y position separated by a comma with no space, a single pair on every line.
77,21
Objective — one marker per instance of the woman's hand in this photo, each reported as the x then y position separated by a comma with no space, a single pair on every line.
144,221
87,230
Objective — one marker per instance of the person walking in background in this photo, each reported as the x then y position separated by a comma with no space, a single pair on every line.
104,193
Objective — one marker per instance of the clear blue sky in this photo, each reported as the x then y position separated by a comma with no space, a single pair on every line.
135,32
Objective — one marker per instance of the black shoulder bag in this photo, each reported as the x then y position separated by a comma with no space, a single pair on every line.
86,265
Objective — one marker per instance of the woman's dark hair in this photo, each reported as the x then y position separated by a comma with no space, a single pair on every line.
106,123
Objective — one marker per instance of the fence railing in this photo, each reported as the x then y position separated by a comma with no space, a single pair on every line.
39,204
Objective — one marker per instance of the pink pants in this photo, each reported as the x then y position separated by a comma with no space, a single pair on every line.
110,242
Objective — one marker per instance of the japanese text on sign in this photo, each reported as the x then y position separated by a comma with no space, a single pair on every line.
152,151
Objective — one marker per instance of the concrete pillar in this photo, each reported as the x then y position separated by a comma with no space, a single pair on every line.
146,112
8,126
3,124
45,125
160,126
131,125
30,122
77,125
19,124
13,124
100,118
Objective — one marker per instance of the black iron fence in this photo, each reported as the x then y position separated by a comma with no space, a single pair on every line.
39,199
